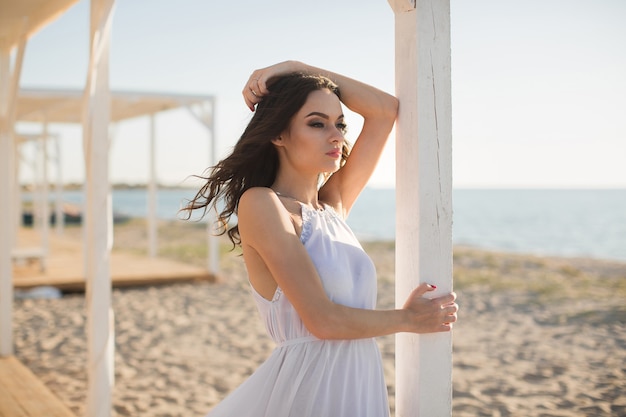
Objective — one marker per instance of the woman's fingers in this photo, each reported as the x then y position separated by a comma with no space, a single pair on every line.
445,299
421,289
256,87
450,316
445,327
252,91
258,81
451,309
253,85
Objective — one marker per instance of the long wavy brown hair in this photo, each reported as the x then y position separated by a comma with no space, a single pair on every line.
254,159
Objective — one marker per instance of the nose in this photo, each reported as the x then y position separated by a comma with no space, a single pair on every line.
337,135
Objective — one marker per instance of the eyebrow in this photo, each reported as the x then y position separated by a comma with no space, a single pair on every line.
325,116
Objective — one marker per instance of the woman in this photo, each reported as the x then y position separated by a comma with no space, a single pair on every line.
291,183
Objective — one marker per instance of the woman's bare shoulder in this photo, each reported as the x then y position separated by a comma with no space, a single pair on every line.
256,194
259,204
256,214
264,220
261,209
265,198
259,200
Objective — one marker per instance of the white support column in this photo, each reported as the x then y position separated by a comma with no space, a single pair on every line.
152,193
6,207
206,116
17,189
58,205
98,228
423,197
9,86
36,191
45,187
214,256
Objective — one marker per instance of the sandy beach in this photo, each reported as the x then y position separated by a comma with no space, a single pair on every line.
536,336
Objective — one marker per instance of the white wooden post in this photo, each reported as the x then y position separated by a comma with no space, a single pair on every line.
58,206
98,228
206,116
152,193
6,207
214,263
9,86
45,188
16,198
423,197
17,189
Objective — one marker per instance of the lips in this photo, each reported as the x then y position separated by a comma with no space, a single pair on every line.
335,153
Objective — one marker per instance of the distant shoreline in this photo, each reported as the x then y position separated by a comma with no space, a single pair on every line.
565,222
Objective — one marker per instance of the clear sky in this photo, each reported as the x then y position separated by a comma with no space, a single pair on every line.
538,86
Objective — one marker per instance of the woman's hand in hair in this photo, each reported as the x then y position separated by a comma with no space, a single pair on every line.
256,86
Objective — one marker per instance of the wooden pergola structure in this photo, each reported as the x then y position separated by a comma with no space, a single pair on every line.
18,21
423,188
49,106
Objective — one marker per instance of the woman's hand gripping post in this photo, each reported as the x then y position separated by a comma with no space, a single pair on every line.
429,315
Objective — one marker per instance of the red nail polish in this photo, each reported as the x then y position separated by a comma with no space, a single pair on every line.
434,287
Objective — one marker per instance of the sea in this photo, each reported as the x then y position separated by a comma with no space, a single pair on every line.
560,222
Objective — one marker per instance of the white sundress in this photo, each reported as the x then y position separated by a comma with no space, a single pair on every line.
305,376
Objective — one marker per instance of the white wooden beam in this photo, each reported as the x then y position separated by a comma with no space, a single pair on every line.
152,192
98,217
205,114
20,50
58,205
9,86
45,188
214,258
423,197
18,211
6,207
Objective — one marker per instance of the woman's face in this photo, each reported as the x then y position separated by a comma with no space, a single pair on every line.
313,141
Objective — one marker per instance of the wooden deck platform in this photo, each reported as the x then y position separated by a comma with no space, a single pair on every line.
22,394
64,267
